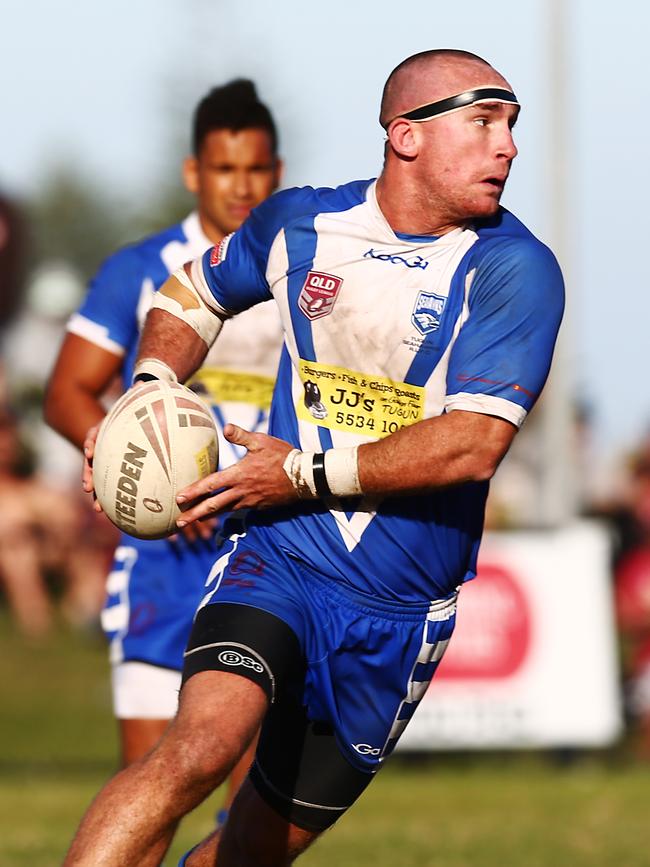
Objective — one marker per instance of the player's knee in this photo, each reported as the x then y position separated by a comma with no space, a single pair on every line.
204,753
199,758
218,717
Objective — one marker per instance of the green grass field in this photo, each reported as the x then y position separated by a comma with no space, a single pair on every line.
57,746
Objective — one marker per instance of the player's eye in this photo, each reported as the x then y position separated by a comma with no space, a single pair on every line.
481,121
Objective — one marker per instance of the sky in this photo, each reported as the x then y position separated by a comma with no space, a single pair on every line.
111,88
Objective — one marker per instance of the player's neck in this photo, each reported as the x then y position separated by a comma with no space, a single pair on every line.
211,232
405,210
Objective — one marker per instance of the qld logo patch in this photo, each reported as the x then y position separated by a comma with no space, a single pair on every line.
318,294
427,312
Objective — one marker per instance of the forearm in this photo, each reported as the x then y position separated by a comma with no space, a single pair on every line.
176,344
71,412
447,450
82,373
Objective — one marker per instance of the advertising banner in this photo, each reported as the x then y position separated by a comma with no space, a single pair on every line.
533,660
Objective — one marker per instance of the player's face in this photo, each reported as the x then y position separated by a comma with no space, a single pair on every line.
233,173
466,158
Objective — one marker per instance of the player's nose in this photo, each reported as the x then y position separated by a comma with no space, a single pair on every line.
506,145
242,185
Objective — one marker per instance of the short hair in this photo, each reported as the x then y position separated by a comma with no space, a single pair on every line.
234,106
413,61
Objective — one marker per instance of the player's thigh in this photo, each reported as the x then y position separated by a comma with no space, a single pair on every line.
218,716
301,772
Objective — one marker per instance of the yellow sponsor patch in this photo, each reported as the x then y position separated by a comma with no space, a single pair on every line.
347,400
221,386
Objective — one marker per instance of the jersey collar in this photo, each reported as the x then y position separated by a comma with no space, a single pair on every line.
197,240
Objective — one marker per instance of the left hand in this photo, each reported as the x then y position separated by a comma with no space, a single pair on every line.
257,481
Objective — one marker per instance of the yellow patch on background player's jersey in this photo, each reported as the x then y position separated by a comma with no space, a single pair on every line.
223,386
347,400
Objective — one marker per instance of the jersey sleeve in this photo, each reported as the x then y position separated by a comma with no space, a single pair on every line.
108,313
500,361
235,271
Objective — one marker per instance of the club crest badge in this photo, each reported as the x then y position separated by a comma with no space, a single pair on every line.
318,294
427,312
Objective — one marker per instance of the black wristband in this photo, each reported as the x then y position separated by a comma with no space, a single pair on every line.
320,479
144,377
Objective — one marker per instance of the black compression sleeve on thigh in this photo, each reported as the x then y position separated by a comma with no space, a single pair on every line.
246,641
300,771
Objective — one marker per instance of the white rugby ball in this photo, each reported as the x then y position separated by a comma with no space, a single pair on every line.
157,439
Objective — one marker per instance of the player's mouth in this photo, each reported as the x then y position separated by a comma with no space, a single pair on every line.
240,212
497,182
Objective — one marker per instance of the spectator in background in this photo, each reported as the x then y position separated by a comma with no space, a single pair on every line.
632,576
42,532
20,568
11,247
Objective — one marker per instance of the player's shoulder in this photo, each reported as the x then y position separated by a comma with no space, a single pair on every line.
515,266
505,238
138,256
289,207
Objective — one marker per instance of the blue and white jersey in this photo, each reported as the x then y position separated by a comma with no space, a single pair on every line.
154,585
382,330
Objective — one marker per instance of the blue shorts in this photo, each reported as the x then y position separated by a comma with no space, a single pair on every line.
331,659
151,596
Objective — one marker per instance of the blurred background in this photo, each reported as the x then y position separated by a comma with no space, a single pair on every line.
545,703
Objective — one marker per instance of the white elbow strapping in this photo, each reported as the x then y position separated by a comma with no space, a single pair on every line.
194,312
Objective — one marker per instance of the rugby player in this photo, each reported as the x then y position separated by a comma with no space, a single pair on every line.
155,586
420,319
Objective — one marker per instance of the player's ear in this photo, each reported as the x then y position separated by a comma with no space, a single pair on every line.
191,174
402,138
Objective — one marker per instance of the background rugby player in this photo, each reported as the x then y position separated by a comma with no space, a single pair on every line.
154,586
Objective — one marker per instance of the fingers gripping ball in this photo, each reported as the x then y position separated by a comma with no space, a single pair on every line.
156,440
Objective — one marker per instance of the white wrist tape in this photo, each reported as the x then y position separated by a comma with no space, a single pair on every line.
186,304
154,367
300,473
342,472
333,473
